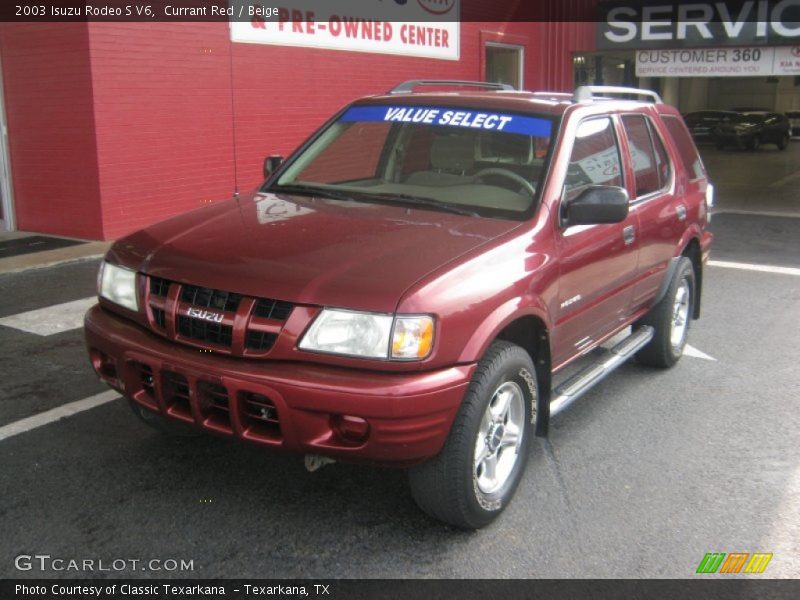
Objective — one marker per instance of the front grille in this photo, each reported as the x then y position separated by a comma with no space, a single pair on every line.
159,317
259,414
202,402
260,340
146,379
211,325
208,298
204,331
159,287
272,309
175,389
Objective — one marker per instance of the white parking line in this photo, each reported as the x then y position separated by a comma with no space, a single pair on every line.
751,267
56,414
51,319
690,350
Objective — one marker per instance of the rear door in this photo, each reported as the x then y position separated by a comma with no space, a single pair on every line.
661,212
597,262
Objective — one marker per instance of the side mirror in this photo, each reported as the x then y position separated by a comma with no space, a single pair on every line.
597,204
271,163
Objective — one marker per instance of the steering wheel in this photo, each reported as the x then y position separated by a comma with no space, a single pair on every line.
507,174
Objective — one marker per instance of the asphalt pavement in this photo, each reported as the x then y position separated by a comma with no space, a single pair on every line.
641,478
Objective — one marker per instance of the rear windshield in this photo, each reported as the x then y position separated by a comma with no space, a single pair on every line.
686,148
482,162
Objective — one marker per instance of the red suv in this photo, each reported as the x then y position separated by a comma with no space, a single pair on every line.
422,284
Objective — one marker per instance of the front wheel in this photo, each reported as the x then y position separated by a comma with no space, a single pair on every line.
477,472
783,143
670,319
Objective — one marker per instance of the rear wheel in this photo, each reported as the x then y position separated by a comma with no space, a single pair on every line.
165,426
754,143
477,472
670,319
783,143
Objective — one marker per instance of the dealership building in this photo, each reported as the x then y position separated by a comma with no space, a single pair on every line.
110,126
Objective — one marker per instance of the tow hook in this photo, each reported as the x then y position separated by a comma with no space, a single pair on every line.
315,462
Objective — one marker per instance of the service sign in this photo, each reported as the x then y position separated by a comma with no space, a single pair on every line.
752,61
421,28
681,24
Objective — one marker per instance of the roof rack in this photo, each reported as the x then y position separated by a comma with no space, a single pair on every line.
553,95
408,86
585,93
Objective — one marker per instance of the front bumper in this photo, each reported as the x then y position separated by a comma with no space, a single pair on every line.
299,407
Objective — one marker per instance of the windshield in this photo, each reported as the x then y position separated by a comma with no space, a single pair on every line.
747,118
439,158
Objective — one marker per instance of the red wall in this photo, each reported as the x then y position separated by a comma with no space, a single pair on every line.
145,122
51,132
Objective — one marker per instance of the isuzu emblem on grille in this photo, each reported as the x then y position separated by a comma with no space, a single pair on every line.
206,315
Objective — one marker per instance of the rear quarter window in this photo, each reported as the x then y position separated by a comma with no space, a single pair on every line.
686,148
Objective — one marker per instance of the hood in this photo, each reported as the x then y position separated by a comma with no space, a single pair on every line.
306,250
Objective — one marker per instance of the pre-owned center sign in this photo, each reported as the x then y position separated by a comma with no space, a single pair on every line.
718,62
423,28
655,24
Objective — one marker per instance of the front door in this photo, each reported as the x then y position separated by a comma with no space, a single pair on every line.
598,262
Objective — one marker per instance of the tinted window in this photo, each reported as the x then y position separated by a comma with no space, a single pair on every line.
662,158
595,157
643,158
686,148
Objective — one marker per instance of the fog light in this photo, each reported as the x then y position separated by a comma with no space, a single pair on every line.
354,430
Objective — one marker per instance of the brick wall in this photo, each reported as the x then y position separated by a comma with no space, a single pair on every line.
51,132
156,99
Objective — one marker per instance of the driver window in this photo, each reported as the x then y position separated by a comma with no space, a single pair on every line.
595,158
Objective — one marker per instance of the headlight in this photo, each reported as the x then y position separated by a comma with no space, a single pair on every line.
369,335
118,285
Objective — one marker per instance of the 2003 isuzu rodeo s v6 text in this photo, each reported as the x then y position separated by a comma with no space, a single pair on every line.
422,284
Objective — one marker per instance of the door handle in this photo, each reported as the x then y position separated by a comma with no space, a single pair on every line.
680,210
629,234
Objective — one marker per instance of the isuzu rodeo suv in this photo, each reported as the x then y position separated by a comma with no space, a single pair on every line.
423,284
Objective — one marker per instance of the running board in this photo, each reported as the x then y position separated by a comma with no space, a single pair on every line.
580,383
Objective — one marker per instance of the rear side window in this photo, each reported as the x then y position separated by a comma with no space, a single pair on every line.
647,175
662,158
595,158
686,148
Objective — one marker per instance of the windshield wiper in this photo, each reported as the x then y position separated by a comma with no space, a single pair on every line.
311,190
427,202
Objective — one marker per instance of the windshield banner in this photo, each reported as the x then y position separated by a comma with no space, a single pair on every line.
451,117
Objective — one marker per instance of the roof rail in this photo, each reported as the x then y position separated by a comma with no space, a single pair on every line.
553,95
585,93
408,86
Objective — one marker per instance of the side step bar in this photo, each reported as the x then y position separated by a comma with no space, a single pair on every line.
580,383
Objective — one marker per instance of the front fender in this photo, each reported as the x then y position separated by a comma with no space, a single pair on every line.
499,319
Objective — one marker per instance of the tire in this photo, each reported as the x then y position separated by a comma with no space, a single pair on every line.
456,486
163,425
754,143
670,318
783,143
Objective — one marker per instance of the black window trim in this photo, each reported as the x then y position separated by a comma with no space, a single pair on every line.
670,186
563,199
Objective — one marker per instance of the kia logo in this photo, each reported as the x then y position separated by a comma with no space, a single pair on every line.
437,7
